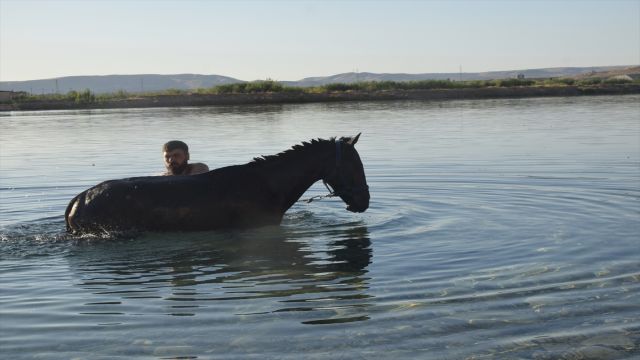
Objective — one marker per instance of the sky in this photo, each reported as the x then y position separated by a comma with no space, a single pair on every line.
291,40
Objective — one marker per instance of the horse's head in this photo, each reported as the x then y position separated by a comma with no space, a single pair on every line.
347,177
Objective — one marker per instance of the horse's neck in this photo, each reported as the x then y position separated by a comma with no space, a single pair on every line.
291,178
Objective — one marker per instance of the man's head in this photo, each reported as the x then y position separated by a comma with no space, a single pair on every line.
176,156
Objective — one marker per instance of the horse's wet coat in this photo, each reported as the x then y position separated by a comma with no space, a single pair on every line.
240,196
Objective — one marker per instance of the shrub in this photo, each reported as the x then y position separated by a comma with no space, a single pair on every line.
559,81
263,86
514,82
260,86
174,92
434,84
85,97
618,80
72,95
121,94
338,87
589,81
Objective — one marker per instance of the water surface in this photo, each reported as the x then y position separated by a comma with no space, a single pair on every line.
497,229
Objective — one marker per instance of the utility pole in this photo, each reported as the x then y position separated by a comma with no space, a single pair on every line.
141,85
460,76
57,86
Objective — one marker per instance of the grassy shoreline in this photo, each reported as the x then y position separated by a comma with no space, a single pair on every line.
272,92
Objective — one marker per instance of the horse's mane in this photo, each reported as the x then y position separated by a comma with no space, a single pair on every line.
295,150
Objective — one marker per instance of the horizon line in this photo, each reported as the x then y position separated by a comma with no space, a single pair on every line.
320,76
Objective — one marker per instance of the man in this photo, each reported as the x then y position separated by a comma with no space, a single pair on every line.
176,160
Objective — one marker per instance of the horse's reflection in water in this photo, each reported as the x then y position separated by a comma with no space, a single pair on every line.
189,271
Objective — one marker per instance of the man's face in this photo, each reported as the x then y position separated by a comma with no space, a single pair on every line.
175,160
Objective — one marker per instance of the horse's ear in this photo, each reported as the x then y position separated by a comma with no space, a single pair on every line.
354,140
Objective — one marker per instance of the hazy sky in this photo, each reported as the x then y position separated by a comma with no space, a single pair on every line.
290,40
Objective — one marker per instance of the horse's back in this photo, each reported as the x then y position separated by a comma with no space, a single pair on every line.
224,197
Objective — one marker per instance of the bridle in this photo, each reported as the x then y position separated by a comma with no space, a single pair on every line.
343,189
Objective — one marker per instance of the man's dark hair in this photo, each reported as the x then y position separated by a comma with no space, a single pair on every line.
175,144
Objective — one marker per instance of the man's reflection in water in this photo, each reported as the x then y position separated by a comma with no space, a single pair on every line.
193,269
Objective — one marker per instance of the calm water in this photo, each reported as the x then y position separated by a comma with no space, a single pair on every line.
497,229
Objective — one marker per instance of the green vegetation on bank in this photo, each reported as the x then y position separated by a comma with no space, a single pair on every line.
86,97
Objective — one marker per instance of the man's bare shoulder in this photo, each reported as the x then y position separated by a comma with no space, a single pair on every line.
198,168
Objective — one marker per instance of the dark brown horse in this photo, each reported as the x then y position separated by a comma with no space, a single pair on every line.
240,196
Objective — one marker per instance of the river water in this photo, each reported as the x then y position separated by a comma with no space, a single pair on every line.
497,229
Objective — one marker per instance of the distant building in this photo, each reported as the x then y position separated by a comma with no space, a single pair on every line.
520,76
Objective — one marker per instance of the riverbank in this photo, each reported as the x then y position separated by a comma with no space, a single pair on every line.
200,99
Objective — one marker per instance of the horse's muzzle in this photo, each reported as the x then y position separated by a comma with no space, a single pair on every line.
356,209
359,204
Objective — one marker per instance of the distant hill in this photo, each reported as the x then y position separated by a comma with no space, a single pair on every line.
491,75
150,82
632,72
114,83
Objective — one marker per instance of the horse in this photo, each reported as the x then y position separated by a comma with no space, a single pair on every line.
251,195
